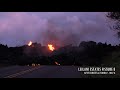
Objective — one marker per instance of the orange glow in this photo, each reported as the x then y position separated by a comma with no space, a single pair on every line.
50,46
30,43
56,63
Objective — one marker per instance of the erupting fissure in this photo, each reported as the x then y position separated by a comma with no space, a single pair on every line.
30,43
50,46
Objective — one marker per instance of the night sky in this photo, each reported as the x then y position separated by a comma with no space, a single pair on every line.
61,28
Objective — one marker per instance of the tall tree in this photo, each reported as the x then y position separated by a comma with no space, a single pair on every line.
115,16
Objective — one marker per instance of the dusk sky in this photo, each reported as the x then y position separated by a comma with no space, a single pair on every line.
18,28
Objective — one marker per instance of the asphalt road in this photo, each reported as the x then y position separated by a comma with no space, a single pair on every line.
40,72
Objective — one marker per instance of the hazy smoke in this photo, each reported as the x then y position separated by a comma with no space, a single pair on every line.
60,28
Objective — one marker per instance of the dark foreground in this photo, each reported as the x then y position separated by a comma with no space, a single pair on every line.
40,72
46,72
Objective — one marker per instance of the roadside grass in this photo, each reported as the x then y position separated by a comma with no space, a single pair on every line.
4,65
113,60
110,60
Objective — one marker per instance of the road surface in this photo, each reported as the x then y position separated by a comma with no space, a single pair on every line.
40,72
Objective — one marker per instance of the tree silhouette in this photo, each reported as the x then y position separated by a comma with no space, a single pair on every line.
87,53
115,16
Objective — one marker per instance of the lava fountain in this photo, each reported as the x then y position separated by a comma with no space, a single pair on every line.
30,43
51,47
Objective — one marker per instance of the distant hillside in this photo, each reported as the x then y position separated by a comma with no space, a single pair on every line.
88,53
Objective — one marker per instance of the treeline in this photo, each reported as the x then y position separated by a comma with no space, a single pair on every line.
88,53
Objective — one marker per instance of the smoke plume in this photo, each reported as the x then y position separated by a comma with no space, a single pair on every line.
59,28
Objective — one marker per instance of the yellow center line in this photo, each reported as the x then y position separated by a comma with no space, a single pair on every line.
21,73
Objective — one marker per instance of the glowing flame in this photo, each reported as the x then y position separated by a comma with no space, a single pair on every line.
50,46
30,43
56,63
